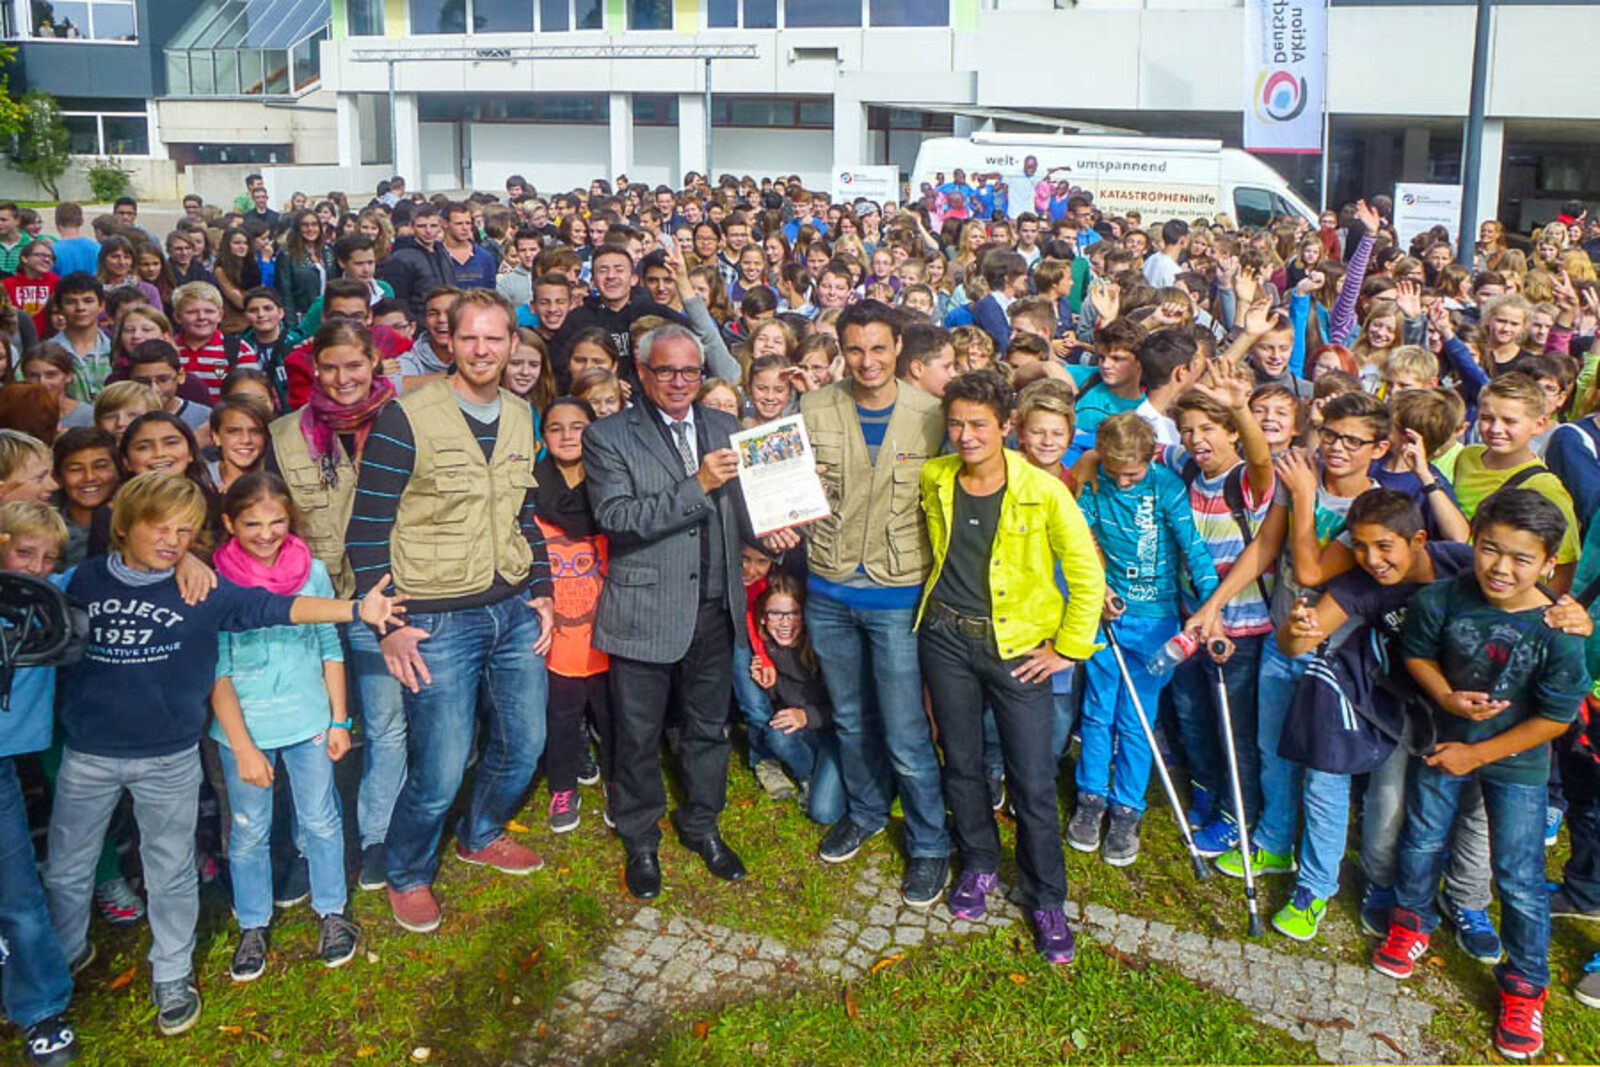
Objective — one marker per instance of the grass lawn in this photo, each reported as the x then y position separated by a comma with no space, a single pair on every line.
508,946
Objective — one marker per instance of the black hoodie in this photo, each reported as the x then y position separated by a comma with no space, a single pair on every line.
412,271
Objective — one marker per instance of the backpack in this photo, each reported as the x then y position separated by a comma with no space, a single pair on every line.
1348,714
1233,496
1585,736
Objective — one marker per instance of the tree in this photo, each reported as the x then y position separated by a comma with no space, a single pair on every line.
41,147
11,110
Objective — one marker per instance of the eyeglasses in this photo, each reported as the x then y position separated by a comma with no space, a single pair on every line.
1329,438
784,614
682,374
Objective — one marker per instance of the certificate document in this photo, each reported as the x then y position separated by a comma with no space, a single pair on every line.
778,475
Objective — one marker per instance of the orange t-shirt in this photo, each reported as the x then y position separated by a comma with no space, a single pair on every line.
578,567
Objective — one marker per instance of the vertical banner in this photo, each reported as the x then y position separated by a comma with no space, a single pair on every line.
1285,72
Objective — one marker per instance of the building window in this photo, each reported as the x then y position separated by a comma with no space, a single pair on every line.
502,16
515,16
438,16
364,18
588,109
655,109
190,154
910,12
89,20
773,112
749,14
99,127
800,14
649,14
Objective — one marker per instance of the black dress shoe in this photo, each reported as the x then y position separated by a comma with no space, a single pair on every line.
721,860
643,874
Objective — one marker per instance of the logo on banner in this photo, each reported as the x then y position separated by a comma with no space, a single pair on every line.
846,177
1409,199
1280,96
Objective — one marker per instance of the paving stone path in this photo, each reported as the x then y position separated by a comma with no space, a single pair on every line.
656,965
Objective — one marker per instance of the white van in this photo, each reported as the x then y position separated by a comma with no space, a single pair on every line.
1160,177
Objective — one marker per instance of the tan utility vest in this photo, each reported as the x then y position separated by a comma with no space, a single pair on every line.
456,524
324,510
876,524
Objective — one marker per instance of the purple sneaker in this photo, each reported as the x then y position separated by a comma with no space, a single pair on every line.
1052,936
967,899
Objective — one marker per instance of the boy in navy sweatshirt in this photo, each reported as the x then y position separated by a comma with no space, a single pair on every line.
133,711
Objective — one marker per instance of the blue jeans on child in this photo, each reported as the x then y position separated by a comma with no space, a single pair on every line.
34,983
1516,847
1383,818
755,707
1108,711
1194,704
487,649
319,831
1280,778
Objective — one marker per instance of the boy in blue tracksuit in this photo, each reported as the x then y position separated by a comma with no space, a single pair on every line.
1141,518
35,982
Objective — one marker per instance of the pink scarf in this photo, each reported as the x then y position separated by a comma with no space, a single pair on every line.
287,576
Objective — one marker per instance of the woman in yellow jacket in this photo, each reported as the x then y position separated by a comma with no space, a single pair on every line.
992,629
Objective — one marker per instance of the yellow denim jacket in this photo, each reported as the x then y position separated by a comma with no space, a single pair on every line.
1040,526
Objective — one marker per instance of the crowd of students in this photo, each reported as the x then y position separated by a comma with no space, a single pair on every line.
1291,500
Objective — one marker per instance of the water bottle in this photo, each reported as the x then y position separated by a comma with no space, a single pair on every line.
1173,653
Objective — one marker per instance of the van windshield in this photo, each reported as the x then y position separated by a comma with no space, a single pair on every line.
1253,207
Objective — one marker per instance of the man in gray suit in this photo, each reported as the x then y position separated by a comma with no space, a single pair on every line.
673,604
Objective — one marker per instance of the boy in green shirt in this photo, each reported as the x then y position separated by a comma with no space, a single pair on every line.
1511,413
1502,685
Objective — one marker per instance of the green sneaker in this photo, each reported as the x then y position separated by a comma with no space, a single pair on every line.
1231,863
1300,917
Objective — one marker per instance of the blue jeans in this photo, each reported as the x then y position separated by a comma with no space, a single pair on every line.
1383,817
1121,772
1516,850
827,787
34,983
1280,778
1199,718
319,831
869,662
487,650
381,711
755,707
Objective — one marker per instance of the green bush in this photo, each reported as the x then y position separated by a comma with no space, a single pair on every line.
107,180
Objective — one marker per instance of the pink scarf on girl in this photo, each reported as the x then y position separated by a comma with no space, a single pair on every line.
287,576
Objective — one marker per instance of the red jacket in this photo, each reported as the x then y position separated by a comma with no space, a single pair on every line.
390,344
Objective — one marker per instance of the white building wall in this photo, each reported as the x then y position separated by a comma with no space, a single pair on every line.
441,156
552,157
739,150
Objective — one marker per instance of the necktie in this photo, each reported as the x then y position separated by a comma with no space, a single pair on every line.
680,431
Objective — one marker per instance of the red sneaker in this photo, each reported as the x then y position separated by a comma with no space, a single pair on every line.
504,855
1520,1032
415,909
1397,956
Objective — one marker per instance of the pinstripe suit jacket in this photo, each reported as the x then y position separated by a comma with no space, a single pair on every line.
654,516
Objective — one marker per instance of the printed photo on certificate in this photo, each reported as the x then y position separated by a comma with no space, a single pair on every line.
778,475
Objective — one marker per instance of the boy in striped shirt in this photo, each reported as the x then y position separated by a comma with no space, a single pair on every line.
207,355
1226,461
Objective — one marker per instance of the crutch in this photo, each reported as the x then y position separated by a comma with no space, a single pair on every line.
1220,646
1201,871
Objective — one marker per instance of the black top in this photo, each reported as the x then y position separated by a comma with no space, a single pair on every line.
964,583
799,686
